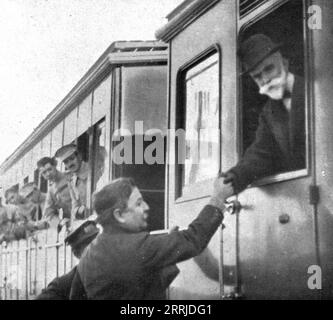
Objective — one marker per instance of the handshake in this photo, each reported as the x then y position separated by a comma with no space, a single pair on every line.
223,189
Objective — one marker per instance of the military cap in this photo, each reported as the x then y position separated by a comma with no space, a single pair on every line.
255,49
86,231
27,189
65,151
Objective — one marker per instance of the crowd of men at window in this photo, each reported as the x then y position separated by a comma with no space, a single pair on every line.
28,209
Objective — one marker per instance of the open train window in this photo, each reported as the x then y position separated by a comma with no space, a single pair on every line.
43,186
36,175
83,146
26,180
143,121
100,156
198,114
286,118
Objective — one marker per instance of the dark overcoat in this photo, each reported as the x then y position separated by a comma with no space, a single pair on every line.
279,145
59,288
126,266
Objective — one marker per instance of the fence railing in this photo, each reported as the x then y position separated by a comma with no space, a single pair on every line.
27,266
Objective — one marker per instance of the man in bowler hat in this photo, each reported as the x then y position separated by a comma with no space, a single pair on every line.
79,239
279,145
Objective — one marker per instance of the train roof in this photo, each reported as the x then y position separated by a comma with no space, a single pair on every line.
118,53
189,10
182,16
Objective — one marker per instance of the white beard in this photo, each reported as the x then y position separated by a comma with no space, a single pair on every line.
275,88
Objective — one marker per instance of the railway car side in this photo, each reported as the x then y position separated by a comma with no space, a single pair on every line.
125,88
276,234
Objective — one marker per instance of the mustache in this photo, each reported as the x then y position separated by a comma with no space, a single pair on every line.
270,85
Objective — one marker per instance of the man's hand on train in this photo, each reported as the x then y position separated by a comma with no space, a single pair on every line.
220,193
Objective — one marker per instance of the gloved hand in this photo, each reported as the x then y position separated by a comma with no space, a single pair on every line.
220,193
228,177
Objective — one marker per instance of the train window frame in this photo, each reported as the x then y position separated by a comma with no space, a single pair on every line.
195,191
94,129
245,22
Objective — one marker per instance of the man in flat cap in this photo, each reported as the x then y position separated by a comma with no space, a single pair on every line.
58,196
126,262
279,145
77,173
79,239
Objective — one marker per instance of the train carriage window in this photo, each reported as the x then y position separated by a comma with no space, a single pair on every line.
100,156
43,186
36,175
83,146
284,118
198,115
143,116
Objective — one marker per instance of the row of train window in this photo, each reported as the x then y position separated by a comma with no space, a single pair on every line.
96,155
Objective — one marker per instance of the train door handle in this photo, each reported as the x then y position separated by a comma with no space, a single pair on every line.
233,207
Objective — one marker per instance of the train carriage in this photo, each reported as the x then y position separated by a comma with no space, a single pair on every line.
278,232
127,84
275,240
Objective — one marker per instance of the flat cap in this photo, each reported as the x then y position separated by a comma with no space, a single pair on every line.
65,151
86,231
27,189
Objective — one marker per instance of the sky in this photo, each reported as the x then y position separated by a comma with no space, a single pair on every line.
48,45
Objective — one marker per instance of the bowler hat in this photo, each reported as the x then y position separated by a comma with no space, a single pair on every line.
65,151
86,231
255,49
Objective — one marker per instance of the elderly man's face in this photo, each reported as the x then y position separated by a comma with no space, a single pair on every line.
136,214
271,76
73,163
48,172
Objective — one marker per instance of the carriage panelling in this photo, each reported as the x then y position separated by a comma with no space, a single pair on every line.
323,97
57,137
221,23
70,126
101,100
84,115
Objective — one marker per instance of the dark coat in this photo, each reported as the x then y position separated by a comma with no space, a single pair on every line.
126,266
279,145
59,288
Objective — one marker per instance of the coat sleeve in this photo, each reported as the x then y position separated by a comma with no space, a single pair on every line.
258,160
59,288
159,251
